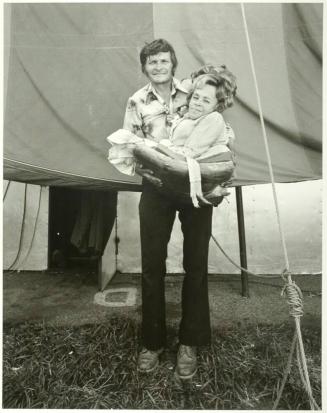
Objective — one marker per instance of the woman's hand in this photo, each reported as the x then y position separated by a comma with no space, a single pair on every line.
203,201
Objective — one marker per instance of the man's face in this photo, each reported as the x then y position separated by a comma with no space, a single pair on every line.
159,68
203,101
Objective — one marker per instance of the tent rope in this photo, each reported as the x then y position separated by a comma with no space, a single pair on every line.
34,230
293,292
302,370
271,173
245,269
6,190
22,228
286,372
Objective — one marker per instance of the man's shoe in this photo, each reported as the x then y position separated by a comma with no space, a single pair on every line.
186,362
148,360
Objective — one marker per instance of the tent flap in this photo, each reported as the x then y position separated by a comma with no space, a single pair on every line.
71,67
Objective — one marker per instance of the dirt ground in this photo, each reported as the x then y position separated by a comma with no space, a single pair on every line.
67,298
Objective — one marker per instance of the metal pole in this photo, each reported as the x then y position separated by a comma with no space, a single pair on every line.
242,242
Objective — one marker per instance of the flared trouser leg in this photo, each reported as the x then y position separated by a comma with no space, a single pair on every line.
195,324
157,216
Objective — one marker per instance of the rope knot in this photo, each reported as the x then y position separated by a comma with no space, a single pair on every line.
286,275
294,298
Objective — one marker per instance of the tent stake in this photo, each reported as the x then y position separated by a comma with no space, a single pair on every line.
241,238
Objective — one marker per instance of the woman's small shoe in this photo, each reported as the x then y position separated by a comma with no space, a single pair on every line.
186,362
148,360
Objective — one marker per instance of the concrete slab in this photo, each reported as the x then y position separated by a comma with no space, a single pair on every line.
67,298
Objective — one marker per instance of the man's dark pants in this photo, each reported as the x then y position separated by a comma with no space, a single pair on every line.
157,215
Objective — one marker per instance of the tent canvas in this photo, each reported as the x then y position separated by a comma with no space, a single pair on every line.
69,69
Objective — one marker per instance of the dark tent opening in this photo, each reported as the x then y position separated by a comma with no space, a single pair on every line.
80,223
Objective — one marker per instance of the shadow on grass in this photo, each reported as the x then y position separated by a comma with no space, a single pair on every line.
94,367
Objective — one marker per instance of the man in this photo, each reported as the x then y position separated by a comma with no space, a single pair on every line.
148,114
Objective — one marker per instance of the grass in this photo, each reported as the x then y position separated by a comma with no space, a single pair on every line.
94,367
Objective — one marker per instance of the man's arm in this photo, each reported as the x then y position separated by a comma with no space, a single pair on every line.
175,176
211,172
133,119
133,123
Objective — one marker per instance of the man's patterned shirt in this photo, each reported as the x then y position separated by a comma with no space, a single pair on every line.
147,115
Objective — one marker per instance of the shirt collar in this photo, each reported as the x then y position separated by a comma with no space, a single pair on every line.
176,85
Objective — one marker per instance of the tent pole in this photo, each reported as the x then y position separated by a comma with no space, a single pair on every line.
242,242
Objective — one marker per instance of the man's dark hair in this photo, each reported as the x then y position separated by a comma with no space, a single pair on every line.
155,47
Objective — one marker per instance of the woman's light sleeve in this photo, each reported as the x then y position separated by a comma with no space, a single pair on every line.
208,132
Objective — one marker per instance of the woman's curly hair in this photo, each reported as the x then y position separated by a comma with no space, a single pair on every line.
221,78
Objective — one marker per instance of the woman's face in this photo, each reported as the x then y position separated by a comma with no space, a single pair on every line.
203,101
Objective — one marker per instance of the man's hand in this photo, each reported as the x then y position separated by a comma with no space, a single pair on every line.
149,175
